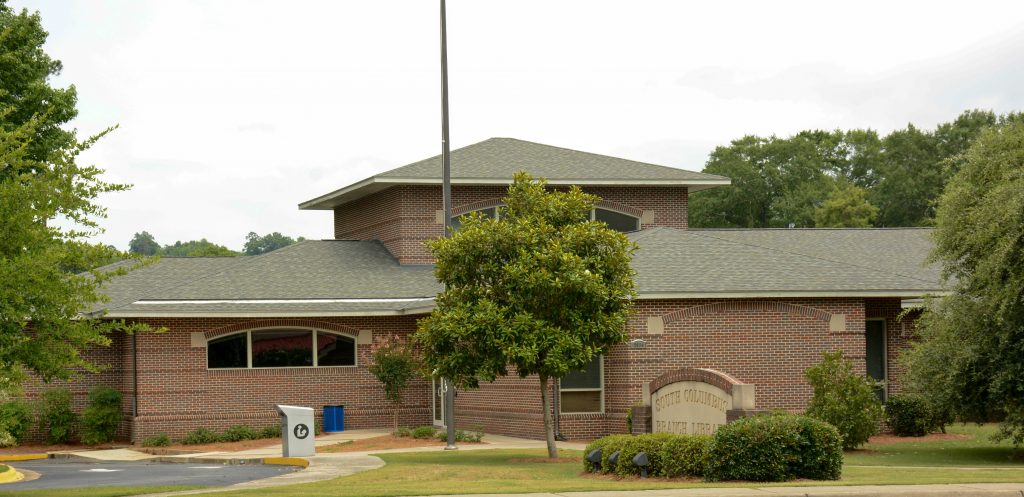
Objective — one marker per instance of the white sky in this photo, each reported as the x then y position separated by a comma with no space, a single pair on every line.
233,112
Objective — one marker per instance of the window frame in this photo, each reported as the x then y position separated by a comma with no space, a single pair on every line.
600,362
593,217
313,351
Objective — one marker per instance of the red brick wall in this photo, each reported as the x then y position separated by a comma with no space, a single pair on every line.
404,216
769,343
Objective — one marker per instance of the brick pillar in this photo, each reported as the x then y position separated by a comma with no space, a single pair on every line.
641,419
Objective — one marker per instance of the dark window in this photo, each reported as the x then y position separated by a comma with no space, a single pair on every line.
282,348
617,220
227,352
875,354
334,350
581,390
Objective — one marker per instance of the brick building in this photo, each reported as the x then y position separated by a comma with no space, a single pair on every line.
298,325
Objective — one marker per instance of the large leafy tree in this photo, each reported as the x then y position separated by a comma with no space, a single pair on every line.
196,248
538,291
48,210
143,244
971,353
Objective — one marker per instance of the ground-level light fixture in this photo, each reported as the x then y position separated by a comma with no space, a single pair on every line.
642,462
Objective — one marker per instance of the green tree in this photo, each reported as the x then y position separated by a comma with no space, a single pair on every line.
844,399
25,93
42,325
256,245
977,331
394,365
539,290
143,244
196,248
845,207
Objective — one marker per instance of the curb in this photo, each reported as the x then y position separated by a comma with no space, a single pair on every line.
23,457
287,461
10,476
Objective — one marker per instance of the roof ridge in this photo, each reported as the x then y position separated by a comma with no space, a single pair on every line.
809,256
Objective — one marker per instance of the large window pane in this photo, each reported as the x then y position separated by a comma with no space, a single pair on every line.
282,348
589,377
335,350
227,352
617,220
586,401
489,212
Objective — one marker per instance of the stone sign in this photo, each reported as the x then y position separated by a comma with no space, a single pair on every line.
696,401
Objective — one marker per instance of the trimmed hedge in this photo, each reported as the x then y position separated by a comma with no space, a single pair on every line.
775,448
669,455
908,416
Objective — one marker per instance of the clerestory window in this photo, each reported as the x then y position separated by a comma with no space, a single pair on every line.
281,348
615,220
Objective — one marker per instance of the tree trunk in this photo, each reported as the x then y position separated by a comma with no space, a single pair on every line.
396,418
549,426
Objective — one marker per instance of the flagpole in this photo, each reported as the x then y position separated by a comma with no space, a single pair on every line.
446,195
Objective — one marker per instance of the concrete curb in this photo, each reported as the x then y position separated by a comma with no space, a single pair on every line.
287,461
23,457
10,476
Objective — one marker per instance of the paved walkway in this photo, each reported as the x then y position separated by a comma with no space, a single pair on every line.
326,466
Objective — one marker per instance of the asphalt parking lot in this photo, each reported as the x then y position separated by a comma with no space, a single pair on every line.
64,473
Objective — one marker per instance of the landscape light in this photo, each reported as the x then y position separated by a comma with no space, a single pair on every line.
642,461
594,457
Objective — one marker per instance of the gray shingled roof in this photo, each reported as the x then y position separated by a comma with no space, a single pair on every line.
494,161
332,277
707,263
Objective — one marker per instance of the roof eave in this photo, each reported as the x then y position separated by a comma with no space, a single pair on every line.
791,294
375,184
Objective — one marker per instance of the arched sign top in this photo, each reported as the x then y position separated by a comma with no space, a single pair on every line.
696,401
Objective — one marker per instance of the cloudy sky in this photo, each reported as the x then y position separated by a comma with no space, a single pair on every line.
233,112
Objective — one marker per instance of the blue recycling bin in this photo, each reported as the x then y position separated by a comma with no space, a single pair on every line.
334,419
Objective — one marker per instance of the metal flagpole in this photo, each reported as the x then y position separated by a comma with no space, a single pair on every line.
446,195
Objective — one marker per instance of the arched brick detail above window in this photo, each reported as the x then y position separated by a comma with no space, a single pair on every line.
760,306
475,206
280,322
623,208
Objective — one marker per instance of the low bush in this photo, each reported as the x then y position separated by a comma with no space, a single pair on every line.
684,455
238,433
200,436
908,416
844,399
424,432
402,432
668,455
7,440
15,418
161,440
273,431
460,436
56,419
102,417
775,448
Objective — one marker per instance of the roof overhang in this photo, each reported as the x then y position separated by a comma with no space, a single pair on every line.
903,294
375,184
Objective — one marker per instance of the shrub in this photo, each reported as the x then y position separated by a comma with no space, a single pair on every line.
273,431
402,432
683,455
15,418
631,446
608,444
908,416
200,436
7,440
161,440
460,436
56,419
424,432
774,448
238,433
844,399
102,417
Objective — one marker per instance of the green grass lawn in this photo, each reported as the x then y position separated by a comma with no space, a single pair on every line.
978,451
977,460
